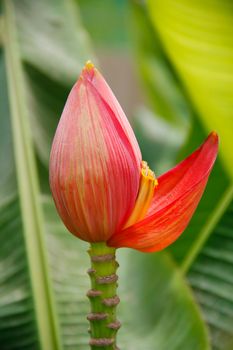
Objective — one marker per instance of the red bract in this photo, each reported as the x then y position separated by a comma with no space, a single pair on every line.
102,189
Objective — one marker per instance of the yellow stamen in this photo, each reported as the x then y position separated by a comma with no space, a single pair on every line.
148,182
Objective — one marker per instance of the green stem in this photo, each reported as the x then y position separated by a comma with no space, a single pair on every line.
103,297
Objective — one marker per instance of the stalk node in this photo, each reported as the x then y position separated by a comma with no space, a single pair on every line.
101,342
97,316
107,279
111,301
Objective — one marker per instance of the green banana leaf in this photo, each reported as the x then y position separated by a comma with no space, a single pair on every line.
198,40
211,278
195,45
43,267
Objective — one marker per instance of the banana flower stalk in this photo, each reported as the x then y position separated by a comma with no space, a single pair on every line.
108,196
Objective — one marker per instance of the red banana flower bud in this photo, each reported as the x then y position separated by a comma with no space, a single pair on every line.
102,189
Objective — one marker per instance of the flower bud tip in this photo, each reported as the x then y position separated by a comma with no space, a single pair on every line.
214,134
88,70
214,137
89,65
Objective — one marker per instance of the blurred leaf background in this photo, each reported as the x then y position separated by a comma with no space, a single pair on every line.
170,64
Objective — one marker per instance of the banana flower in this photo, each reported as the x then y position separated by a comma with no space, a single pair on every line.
103,190
106,195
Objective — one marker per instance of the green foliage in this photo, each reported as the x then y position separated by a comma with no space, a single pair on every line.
198,40
158,309
211,278
195,41
43,277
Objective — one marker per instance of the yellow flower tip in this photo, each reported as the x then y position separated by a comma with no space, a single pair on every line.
88,71
89,66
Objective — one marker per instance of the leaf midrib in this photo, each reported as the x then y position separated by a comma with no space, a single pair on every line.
28,188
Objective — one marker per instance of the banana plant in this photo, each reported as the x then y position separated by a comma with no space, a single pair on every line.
43,277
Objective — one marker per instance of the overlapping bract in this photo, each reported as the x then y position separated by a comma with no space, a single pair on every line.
95,168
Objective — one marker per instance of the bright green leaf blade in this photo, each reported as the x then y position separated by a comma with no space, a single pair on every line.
158,309
18,326
211,277
7,170
150,55
17,313
69,261
198,38
209,210
27,181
